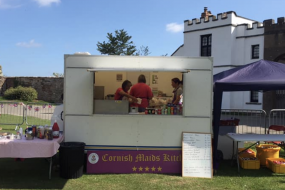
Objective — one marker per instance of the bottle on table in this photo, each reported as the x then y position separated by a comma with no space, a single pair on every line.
175,110
168,109
55,130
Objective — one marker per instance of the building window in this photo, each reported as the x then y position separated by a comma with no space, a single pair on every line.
254,96
255,52
206,45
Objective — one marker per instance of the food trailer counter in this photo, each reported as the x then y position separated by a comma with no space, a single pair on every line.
116,134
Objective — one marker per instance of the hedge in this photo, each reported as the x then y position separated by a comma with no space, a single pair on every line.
21,93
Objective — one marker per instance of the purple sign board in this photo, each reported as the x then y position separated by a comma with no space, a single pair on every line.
141,161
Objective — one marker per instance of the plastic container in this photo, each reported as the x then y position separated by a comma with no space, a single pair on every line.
249,164
276,168
71,159
267,151
248,152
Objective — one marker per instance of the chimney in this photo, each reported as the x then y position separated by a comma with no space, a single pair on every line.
206,13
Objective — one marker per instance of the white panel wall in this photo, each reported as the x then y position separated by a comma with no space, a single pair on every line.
132,130
78,91
195,94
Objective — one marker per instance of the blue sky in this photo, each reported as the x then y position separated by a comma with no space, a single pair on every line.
35,34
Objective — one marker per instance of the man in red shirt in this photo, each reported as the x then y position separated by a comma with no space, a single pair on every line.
142,91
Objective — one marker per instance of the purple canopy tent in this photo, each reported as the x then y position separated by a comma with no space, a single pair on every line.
261,75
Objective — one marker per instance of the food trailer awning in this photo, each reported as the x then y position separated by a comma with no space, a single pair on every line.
139,69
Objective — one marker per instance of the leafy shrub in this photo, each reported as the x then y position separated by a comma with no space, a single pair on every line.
21,93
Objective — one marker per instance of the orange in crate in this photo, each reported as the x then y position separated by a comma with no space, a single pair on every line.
267,151
248,152
277,165
249,162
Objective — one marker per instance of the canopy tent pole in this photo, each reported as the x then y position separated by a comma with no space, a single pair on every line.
218,96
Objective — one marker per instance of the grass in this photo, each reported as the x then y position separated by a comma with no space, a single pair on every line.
13,120
33,174
2,99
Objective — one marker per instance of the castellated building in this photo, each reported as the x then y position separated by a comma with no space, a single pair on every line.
233,40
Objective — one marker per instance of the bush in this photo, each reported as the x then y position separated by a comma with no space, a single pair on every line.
21,93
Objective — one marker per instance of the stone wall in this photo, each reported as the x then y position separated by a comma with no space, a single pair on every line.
274,46
49,89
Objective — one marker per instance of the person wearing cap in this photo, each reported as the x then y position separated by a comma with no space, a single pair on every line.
142,90
122,93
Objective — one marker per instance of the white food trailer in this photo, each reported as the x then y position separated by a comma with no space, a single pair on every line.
109,137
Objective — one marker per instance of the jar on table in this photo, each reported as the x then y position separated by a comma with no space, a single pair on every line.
41,132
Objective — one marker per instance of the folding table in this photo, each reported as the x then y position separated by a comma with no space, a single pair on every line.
36,148
252,137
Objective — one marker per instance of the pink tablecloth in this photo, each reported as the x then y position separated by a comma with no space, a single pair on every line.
37,148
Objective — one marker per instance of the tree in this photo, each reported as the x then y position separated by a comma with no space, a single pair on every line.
118,44
143,51
58,75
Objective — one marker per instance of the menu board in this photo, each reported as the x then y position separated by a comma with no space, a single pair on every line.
197,155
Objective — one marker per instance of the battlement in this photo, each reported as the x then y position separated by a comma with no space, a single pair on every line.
225,19
211,18
271,22
254,25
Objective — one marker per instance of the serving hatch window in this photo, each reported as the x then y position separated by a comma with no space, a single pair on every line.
156,93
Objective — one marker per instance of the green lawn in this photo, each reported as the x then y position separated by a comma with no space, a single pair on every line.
12,119
33,174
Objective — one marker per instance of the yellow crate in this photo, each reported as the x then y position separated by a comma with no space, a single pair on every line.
249,152
276,168
267,151
249,164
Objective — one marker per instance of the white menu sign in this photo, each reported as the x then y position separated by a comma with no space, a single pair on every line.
196,155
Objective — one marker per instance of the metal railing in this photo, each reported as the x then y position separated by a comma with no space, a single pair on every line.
17,113
276,121
12,113
250,121
39,114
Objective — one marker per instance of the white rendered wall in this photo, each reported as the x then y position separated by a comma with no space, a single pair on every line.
231,45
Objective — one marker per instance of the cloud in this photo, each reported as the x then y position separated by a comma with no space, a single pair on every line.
11,5
174,27
46,3
29,44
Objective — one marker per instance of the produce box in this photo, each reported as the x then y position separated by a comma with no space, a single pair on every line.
277,165
249,162
248,152
267,151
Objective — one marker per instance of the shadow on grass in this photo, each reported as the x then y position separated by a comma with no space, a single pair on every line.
227,169
28,174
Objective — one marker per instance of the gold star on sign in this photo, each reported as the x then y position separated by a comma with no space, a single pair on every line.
140,169
159,169
153,169
134,169
147,169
